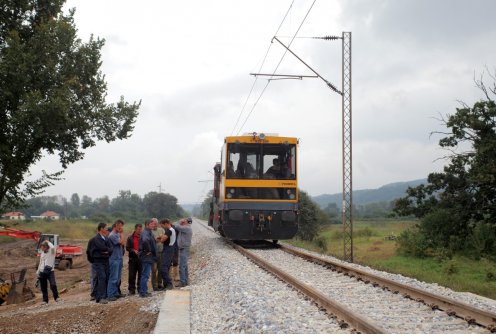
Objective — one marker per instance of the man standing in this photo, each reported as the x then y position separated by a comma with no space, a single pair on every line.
93,273
100,252
117,244
184,242
132,246
169,239
45,271
147,253
157,282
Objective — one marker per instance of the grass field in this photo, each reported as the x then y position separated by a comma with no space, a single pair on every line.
67,229
371,248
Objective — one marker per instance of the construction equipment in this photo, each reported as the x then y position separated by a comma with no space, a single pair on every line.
64,254
16,290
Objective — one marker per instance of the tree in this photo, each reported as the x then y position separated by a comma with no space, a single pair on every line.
309,217
161,205
53,93
75,201
460,201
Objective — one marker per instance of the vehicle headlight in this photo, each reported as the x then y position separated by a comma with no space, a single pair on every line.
292,196
229,195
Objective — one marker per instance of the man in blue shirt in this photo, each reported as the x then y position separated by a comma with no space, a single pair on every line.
117,243
147,254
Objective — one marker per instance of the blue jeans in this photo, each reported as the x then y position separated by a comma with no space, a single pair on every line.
183,265
146,270
115,271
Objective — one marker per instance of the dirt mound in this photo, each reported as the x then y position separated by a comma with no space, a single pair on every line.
76,313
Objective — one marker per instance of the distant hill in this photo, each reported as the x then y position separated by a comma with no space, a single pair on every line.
386,193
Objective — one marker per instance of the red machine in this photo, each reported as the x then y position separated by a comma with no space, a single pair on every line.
64,253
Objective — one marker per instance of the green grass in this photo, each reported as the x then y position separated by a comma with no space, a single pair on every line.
370,248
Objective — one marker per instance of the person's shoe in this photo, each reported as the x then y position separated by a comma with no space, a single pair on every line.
58,300
146,295
131,293
102,301
112,299
44,303
169,287
121,295
92,298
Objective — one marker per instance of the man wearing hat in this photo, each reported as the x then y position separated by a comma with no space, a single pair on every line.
184,243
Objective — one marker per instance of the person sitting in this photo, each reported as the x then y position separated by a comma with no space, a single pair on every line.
230,170
274,170
245,169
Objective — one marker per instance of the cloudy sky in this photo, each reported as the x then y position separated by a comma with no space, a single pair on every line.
189,63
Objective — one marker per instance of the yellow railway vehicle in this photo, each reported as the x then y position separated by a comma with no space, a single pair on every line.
256,188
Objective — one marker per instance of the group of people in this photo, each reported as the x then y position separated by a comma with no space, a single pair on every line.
152,250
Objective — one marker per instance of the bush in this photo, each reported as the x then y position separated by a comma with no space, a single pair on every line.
321,242
450,268
101,218
413,243
364,232
482,241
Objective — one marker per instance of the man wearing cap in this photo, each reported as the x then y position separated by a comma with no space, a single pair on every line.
184,243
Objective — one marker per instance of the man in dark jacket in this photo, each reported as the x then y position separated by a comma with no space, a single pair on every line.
148,255
132,246
99,253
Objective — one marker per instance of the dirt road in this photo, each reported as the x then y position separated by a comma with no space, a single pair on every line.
75,313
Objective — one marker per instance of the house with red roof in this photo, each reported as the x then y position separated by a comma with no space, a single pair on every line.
14,215
50,215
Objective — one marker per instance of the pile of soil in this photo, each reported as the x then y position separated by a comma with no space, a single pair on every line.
75,313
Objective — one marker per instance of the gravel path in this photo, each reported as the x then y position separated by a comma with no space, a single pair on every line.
231,294
391,311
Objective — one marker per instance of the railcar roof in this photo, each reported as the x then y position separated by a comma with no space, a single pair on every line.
267,139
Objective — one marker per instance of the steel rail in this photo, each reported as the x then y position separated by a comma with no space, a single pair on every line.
359,322
452,307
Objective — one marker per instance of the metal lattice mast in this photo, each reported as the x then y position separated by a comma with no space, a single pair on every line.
347,205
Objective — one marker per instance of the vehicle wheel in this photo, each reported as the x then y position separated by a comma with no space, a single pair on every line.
63,265
275,242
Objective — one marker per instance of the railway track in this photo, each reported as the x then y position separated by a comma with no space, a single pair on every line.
367,302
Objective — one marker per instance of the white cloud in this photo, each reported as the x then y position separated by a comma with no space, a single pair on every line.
189,63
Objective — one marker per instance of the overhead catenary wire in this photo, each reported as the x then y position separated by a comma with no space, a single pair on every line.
261,66
275,70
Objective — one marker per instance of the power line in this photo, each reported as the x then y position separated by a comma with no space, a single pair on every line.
275,70
261,66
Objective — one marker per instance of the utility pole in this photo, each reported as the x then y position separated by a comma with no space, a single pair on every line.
160,188
347,186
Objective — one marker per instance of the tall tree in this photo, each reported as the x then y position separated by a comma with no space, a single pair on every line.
52,96
461,200
161,205
75,201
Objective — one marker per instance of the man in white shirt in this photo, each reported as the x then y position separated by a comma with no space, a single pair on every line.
46,271
168,240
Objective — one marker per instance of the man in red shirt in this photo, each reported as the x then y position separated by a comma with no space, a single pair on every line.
134,261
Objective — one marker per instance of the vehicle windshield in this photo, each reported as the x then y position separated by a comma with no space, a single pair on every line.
261,161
